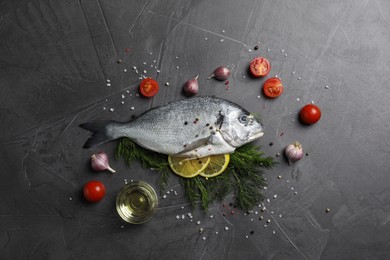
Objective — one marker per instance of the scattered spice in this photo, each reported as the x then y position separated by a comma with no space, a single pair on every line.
256,48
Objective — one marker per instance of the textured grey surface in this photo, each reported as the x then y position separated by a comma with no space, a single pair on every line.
55,57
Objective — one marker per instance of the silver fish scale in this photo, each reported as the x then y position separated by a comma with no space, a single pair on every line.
179,126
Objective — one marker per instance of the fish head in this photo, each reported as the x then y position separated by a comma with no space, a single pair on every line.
240,127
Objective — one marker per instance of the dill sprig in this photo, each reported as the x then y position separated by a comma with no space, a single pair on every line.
243,176
130,151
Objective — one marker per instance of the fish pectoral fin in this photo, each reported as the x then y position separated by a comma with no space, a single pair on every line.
214,145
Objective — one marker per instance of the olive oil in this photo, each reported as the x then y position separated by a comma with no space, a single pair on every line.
136,202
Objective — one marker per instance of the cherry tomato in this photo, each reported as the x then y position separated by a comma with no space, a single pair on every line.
273,87
148,87
94,191
310,114
260,67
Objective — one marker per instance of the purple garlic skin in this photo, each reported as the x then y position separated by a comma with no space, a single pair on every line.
99,162
191,87
294,152
221,73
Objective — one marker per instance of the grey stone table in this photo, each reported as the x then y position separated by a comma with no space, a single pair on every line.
56,58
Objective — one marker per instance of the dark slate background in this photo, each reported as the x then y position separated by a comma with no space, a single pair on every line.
55,58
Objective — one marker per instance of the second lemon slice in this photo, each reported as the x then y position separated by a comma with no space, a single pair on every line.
216,166
187,168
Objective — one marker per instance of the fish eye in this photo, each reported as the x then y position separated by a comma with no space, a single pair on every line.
243,119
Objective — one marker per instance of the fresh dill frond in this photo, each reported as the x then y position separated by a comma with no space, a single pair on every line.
243,176
131,152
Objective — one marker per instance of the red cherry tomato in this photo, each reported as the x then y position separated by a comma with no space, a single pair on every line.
273,87
148,87
310,114
260,67
94,191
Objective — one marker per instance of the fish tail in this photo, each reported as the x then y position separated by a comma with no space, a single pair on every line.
101,133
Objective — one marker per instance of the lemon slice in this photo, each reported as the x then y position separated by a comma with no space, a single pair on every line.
186,167
216,166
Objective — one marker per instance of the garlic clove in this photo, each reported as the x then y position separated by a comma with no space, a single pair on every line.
191,87
221,73
294,152
99,162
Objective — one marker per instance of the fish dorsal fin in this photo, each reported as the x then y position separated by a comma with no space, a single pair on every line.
214,145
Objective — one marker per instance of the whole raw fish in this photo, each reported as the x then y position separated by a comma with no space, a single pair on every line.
194,127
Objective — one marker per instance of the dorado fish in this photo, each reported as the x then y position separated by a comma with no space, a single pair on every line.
195,127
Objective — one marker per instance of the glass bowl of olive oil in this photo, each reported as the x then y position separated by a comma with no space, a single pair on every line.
136,202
